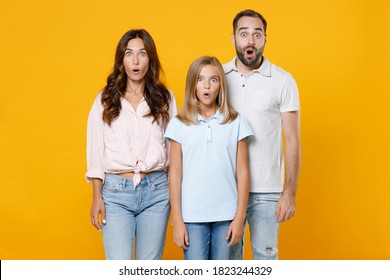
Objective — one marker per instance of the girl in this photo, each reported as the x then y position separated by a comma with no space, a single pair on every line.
209,201
127,153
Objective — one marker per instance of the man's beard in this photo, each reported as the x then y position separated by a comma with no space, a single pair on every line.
249,62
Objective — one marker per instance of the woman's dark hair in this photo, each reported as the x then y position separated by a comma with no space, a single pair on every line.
155,93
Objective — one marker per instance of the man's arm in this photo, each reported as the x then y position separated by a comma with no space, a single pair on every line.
291,129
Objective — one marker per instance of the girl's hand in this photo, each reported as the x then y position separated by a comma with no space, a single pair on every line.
96,210
235,232
180,235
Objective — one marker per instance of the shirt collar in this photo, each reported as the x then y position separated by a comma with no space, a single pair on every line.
264,69
218,116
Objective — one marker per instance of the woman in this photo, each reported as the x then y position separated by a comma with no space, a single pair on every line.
127,154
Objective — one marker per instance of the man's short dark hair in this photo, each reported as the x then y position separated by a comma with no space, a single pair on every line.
248,13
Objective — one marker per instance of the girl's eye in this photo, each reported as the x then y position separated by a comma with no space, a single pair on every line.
214,80
199,79
127,53
143,54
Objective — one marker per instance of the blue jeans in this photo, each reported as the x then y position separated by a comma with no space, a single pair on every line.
207,241
135,215
263,227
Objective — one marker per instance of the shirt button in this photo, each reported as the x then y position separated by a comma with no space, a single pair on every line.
243,85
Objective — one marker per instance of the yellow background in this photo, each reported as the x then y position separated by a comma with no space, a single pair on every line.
55,57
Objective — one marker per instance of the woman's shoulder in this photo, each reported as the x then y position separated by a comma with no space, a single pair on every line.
97,104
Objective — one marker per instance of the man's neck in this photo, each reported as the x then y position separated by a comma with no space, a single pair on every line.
246,69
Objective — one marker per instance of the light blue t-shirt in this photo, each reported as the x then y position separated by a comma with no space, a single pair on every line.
209,186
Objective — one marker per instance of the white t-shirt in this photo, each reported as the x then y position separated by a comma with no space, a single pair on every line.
261,97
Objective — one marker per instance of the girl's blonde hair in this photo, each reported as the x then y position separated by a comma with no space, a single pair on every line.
190,109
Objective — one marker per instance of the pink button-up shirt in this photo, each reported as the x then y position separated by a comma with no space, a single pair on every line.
131,144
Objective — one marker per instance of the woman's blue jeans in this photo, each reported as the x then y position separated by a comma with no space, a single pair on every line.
135,216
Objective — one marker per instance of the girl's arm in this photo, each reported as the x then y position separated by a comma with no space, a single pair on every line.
180,234
236,228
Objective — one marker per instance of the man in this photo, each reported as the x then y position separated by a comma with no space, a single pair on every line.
268,97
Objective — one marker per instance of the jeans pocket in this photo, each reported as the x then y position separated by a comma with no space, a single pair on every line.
159,182
113,186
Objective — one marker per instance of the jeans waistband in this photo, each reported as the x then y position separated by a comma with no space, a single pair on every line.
119,179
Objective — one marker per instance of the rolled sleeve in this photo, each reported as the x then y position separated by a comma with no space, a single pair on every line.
95,142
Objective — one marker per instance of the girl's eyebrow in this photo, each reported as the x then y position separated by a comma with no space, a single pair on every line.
214,76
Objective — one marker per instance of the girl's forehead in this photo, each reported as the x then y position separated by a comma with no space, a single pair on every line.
209,69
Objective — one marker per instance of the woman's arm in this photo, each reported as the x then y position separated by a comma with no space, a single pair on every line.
97,204
180,234
236,228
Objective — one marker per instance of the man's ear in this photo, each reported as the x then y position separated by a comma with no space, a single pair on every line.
233,40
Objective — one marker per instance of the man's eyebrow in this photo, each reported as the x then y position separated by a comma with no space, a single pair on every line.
245,28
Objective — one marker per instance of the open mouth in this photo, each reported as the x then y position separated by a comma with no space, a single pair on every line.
136,71
250,52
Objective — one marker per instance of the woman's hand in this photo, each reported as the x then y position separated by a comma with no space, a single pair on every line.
96,210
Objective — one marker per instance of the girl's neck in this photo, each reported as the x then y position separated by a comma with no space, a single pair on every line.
208,111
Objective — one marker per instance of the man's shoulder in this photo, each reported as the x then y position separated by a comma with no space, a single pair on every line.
229,66
279,71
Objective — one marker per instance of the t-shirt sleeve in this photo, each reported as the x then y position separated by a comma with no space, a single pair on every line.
245,129
174,130
289,96
172,105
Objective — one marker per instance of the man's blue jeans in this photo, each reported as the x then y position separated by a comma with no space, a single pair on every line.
135,214
263,227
